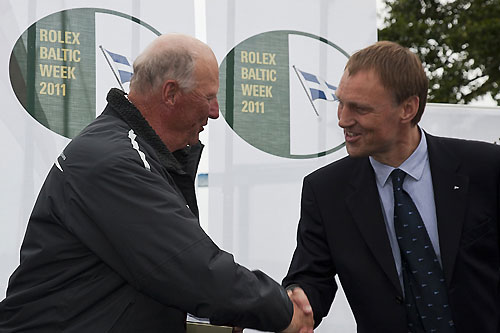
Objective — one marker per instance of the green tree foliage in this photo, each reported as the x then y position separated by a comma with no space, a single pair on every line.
457,41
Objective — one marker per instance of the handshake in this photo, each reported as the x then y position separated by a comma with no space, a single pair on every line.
302,320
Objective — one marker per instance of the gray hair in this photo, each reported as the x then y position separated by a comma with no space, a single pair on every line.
153,68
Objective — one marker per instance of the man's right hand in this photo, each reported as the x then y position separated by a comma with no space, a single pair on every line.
302,320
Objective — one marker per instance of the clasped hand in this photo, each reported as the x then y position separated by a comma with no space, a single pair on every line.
302,321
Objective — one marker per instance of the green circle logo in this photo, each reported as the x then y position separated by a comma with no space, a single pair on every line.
278,93
62,61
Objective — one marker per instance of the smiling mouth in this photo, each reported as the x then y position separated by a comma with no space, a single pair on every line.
351,136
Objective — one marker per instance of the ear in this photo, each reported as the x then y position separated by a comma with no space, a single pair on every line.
410,108
170,90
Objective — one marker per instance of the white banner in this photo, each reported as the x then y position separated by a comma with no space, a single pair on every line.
463,121
280,61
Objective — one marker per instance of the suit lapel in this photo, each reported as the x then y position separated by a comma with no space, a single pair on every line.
364,204
450,192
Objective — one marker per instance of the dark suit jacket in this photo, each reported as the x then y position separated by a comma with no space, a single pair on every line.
342,231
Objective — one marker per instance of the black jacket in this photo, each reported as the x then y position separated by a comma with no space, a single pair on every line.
114,243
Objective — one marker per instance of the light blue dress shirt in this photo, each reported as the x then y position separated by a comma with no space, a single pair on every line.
418,184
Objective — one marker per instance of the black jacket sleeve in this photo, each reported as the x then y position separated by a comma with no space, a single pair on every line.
312,268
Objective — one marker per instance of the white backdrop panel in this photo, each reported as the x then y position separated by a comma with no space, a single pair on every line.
254,196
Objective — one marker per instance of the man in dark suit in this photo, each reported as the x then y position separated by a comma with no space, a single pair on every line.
356,212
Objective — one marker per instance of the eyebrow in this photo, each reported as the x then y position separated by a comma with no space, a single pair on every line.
360,106
356,104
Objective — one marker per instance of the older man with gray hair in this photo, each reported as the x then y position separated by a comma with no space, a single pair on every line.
114,242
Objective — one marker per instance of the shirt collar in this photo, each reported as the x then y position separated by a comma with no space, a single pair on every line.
413,165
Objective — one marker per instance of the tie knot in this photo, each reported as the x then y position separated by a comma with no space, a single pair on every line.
398,177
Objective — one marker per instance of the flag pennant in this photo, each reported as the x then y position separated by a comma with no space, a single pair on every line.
317,86
121,64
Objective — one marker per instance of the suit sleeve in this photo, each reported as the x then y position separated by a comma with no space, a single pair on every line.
137,223
312,268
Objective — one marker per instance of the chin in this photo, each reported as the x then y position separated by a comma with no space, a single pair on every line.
194,141
356,152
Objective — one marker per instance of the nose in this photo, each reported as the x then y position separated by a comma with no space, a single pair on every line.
344,115
213,113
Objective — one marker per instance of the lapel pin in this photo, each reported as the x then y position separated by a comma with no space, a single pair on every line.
456,187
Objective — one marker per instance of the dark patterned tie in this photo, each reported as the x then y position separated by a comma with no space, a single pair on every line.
425,289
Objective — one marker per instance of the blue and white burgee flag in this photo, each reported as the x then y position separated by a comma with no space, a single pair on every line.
121,64
316,87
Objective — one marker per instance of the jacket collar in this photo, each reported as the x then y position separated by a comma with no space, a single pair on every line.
450,197
363,201
183,161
